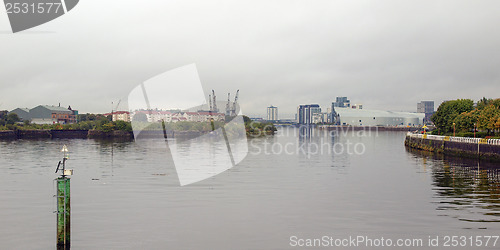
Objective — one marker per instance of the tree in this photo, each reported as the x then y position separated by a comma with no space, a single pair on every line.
488,118
448,111
122,125
466,121
12,118
481,104
106,127
83,117
183,126
86,125
201,126
100,117
496,103
246,119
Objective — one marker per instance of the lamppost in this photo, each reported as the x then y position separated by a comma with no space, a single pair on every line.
453,129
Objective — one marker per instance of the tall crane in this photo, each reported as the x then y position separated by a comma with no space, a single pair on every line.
228,105
214,102
119,101
235,103
116,108
210,107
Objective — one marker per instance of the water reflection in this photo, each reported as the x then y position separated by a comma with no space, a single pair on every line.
306,134
466,189
127,196
109,147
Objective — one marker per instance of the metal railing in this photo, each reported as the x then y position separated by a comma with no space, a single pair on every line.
455,139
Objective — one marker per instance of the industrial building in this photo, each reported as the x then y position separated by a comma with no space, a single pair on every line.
318,118
46,114
22,113
426,107
341,102
363,117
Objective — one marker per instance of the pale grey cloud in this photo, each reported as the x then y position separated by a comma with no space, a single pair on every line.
384,54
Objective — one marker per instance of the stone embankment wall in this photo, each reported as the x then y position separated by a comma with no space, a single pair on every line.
466,147
63,134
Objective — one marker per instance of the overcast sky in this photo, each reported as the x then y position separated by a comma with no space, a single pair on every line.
387,55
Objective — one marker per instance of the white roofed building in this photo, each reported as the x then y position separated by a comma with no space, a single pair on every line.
365,117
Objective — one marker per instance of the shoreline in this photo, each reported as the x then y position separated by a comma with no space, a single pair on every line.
96,134
63,134
465,148
357,128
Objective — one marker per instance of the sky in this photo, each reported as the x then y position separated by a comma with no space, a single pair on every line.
386,55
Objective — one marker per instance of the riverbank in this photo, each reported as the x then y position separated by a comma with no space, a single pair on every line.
366,128
64,134
97,134
485,149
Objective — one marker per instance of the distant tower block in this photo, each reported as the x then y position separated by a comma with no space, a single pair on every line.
426,107
272,113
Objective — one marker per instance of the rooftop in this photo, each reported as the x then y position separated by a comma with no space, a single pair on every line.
54,108
350,112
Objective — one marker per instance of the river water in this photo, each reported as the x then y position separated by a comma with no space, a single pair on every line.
289,189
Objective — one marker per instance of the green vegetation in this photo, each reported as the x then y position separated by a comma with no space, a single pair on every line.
104,124
86,122
462,117
254,128
9,119
178,126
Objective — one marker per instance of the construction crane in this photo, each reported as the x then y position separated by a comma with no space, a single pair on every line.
214,102
235,103
210,107
228,105
116,108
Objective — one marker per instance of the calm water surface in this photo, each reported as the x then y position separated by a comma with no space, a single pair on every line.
126,195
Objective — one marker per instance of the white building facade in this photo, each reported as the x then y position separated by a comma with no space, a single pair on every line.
364,117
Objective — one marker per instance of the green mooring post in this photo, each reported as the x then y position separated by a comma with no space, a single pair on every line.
63,212
63,203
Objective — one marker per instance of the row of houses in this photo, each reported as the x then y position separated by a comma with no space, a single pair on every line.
46,114
175,116
119,116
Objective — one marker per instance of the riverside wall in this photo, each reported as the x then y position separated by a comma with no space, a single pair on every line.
63,134
463,147
91,134
8,135
366,128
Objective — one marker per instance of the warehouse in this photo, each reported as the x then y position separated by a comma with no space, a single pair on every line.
364,117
